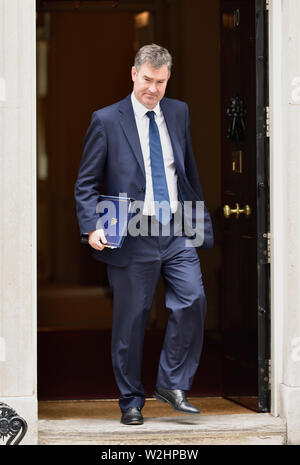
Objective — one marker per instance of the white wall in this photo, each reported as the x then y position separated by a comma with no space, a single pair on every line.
285,211
17,211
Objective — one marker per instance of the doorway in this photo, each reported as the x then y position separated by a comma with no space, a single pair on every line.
83,64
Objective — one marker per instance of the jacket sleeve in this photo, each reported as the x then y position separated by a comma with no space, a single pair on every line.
90,175
191,168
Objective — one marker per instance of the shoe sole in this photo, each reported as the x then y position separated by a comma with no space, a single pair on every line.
162,399
133,422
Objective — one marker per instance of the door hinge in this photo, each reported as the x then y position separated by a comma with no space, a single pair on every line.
268,5
269,373
267,121
265,373
267,251
264,384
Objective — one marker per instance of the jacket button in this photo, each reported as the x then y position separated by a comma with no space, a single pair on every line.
143,189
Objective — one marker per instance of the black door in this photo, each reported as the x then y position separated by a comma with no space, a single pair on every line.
245,273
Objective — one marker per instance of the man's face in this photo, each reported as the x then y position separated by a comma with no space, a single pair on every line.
149,84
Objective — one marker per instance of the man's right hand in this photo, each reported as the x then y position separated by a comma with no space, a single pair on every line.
97,239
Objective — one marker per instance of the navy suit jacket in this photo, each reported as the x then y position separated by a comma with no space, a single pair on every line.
112,158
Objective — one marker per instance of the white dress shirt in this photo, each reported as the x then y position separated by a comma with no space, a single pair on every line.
142,122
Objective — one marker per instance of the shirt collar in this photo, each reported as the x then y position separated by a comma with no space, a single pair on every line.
140,110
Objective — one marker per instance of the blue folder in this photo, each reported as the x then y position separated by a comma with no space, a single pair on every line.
114,214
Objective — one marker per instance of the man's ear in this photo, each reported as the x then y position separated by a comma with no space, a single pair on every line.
133,73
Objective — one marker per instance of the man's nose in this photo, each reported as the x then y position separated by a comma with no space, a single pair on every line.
152,88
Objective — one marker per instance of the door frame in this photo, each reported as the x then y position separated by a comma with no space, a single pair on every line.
277,187
263,204
276,198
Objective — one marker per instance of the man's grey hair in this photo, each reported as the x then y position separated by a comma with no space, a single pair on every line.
153,54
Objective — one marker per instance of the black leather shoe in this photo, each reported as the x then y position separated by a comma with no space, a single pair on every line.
132,416
176,399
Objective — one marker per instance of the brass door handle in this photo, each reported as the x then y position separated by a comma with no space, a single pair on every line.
229,211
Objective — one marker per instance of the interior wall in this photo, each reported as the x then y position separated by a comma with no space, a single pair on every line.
200,87
87,71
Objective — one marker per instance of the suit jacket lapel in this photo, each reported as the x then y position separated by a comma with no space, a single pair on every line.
127,121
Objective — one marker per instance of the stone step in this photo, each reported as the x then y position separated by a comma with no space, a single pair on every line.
239,429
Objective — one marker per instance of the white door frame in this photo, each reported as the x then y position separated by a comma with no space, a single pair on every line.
276,198
284,75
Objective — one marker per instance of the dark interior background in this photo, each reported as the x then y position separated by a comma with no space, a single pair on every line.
84,59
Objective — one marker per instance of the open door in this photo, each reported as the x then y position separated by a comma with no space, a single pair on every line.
245,185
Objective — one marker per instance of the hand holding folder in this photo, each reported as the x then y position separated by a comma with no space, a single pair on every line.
96,239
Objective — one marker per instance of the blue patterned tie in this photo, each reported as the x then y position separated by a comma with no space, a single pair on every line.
159,181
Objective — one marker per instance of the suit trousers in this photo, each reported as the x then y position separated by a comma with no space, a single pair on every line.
133,288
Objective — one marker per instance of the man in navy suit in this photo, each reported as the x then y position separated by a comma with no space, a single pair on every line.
142,146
